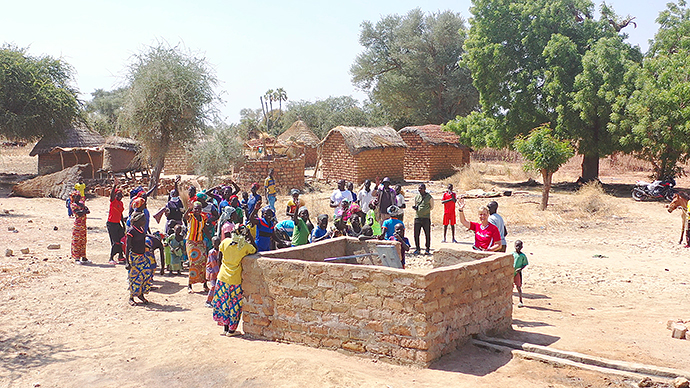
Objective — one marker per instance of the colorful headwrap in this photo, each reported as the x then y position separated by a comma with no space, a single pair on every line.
227,227
202,196
197,203
74,195
138,202
354,209
255,186
136,191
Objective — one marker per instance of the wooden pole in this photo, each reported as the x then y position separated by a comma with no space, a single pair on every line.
93,168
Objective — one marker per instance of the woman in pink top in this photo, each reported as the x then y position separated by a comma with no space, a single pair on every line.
486,235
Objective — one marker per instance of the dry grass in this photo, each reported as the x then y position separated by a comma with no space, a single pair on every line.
591,201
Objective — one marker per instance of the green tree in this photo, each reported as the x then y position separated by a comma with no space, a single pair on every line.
410,68
476,130
218,151
36,95
170,98
536,61
104,109
656,122
323,115
545,154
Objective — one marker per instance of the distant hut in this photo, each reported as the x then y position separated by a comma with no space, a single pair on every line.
432,153
359,153
119,154
302,135
76,145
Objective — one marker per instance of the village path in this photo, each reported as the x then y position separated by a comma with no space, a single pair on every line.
604,288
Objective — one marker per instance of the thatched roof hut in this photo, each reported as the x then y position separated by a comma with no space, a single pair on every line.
359,153
119,154
432,153
76,145
300,133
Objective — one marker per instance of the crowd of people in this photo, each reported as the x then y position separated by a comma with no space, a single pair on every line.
217,227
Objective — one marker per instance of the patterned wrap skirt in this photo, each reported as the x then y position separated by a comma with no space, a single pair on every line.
140,274
227,304
196,251
79,237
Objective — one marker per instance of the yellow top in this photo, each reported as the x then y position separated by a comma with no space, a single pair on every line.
80,187
231,269
270,186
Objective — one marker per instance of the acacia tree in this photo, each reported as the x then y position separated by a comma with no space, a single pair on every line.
656,123
410,67
170,98
218,151
36,95
536,61
544,153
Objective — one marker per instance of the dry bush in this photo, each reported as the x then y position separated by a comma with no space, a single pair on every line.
468,177
591,201
494,155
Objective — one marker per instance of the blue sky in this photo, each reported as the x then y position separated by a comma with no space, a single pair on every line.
305,47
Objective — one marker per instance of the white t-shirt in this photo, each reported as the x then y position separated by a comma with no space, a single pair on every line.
365,197
338,196
400,199
497,221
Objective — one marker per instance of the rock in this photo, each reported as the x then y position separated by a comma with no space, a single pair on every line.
646,382
10,228
55,228
681,382
53,246
24,251
6,211
678,331
8,252
30,221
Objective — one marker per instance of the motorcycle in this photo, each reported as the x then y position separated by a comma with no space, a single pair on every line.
657,189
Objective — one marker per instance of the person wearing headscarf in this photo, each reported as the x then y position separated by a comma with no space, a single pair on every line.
140,273
196,247
80,211
174,209
227,300
228,216
253,198
264,227
388,226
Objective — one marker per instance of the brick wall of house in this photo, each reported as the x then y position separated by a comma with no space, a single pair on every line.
338,163
50,163
177,162
310,156
393,314
424,161
288,173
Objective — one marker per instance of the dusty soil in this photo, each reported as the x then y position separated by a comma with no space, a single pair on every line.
601,285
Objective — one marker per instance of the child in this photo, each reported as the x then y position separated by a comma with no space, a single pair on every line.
448,201
399,236
519,264
388,226
176,247
213,266
321,231
371,219
293,204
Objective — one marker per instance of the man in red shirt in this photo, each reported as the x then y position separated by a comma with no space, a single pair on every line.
115,224
486,235
448,202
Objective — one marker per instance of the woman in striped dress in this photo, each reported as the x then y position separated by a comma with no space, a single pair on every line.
80,211
196,248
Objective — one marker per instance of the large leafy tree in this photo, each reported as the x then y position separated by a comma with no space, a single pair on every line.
410,67
656,123
36,95
104,109
170,99
536,61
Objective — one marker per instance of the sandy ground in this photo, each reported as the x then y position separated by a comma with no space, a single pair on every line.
604,286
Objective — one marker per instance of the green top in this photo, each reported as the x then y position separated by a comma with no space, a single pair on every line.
371,220
423,204
520,261
300,234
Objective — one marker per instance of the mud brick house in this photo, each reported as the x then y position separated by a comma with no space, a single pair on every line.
119,154
76,145
302,135
432,153
359,153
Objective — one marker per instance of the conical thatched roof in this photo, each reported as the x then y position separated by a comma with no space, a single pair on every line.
434,134
73,137
358,139
122,143
300,134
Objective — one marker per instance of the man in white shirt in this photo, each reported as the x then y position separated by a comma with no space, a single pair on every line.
497,220
365,196
340,194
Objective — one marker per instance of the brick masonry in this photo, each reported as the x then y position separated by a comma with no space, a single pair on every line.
396,315
53,162
426,161
288,173
177,162
338,163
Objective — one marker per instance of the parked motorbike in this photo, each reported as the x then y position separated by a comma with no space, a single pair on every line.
657,189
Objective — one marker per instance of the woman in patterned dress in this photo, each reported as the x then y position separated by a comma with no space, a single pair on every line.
80,211
196,248
139,269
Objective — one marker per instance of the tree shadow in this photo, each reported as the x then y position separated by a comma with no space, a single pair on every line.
19,353
472,360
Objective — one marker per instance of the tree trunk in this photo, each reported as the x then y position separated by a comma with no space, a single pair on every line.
157,169
590,167
546,176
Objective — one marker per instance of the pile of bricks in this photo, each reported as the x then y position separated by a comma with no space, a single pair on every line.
288,173
338,163
679,328
392,314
